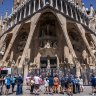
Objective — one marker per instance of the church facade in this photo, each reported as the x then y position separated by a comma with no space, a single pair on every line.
49,34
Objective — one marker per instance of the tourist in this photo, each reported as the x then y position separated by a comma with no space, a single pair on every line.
66,82
13,79
1,85
81,84
37,84
62,80
46,84
74,81
7,83
51,83
32,85
19,85
93,82
56,84
78,84
70,85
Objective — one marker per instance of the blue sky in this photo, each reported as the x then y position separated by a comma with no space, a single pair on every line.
7,5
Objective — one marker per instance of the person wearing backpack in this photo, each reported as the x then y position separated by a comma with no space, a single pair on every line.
13,79
93,82
62,81
7,83
32,85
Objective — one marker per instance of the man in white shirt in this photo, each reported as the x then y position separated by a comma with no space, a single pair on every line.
37,83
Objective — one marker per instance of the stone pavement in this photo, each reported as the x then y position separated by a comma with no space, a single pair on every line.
87,91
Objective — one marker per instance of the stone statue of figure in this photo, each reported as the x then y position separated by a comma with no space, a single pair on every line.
85,56
47,45
84,9
90,60
66,54
92,23
92,10
2,51
92,45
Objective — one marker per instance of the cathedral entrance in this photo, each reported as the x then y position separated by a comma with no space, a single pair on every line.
47,46
48,62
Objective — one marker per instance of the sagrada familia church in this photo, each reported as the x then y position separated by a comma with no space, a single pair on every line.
49,34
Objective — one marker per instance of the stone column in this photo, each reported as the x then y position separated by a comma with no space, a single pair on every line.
39,5
11,56
34,9
71,10
20,15
15,31
25,11
82,33
63,23
34,20
51,3
66,53
62,6
56,6
25,73
29,8
16,18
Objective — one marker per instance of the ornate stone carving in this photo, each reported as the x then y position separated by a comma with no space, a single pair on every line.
47,45
3,49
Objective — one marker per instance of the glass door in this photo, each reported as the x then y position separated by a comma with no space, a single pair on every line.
53,62
43,62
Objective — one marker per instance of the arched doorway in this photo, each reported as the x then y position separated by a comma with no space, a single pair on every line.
47,45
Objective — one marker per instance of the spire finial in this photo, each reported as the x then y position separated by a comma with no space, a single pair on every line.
83,8
92,11
6,14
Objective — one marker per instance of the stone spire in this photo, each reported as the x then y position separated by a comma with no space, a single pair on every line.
92,11
6,14
83,9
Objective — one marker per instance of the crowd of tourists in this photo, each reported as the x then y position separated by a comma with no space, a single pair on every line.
65,84
69,84
8,82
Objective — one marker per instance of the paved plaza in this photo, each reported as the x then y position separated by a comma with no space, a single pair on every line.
26,92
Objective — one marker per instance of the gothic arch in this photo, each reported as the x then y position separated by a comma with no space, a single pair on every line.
48,30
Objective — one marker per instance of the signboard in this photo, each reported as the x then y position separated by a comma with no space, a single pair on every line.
8,70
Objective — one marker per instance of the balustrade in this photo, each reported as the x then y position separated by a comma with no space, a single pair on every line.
67,7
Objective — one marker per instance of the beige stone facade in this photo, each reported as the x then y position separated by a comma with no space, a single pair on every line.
42,34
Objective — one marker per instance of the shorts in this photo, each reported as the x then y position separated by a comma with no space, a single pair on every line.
51,85
56,86
8,86
63,85
36,86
